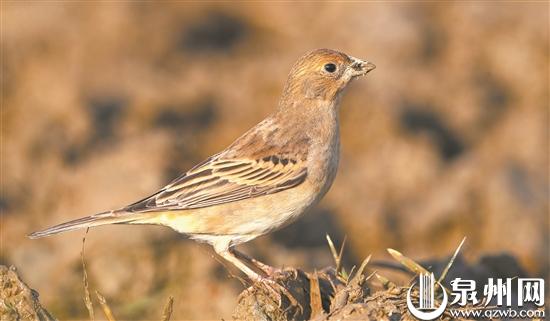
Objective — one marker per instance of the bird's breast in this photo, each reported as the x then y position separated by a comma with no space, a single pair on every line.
323,161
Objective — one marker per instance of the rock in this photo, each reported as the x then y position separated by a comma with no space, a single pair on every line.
17,300
322,296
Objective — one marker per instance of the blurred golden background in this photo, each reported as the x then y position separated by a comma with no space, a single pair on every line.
105,102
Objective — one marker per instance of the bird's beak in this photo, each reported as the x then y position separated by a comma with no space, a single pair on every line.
360,67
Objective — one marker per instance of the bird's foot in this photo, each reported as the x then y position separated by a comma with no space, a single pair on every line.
276,289
268,283
269,270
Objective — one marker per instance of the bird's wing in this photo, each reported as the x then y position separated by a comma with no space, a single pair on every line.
217,181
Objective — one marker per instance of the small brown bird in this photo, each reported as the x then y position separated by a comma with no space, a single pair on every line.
265,179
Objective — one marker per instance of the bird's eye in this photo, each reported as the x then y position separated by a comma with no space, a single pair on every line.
330,67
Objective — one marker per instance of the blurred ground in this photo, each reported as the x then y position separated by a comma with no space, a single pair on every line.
104,103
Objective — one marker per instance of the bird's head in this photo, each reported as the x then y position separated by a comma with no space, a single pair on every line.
323,73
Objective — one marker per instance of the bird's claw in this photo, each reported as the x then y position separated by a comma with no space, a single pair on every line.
277,289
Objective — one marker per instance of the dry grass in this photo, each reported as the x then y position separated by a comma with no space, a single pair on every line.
333,293
328,294
107,311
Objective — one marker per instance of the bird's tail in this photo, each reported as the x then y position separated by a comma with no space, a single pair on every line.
111,217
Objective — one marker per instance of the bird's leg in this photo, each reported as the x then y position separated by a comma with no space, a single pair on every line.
230,257
271,285
267,269
255,277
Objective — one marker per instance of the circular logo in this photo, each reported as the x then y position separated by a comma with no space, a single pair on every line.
426,309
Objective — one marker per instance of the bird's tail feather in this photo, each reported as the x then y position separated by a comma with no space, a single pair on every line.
111,217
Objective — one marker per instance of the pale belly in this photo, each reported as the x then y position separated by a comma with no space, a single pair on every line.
245,219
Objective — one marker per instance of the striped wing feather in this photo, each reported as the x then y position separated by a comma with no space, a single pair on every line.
218,181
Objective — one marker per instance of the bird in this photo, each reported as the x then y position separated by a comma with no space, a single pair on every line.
265,179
